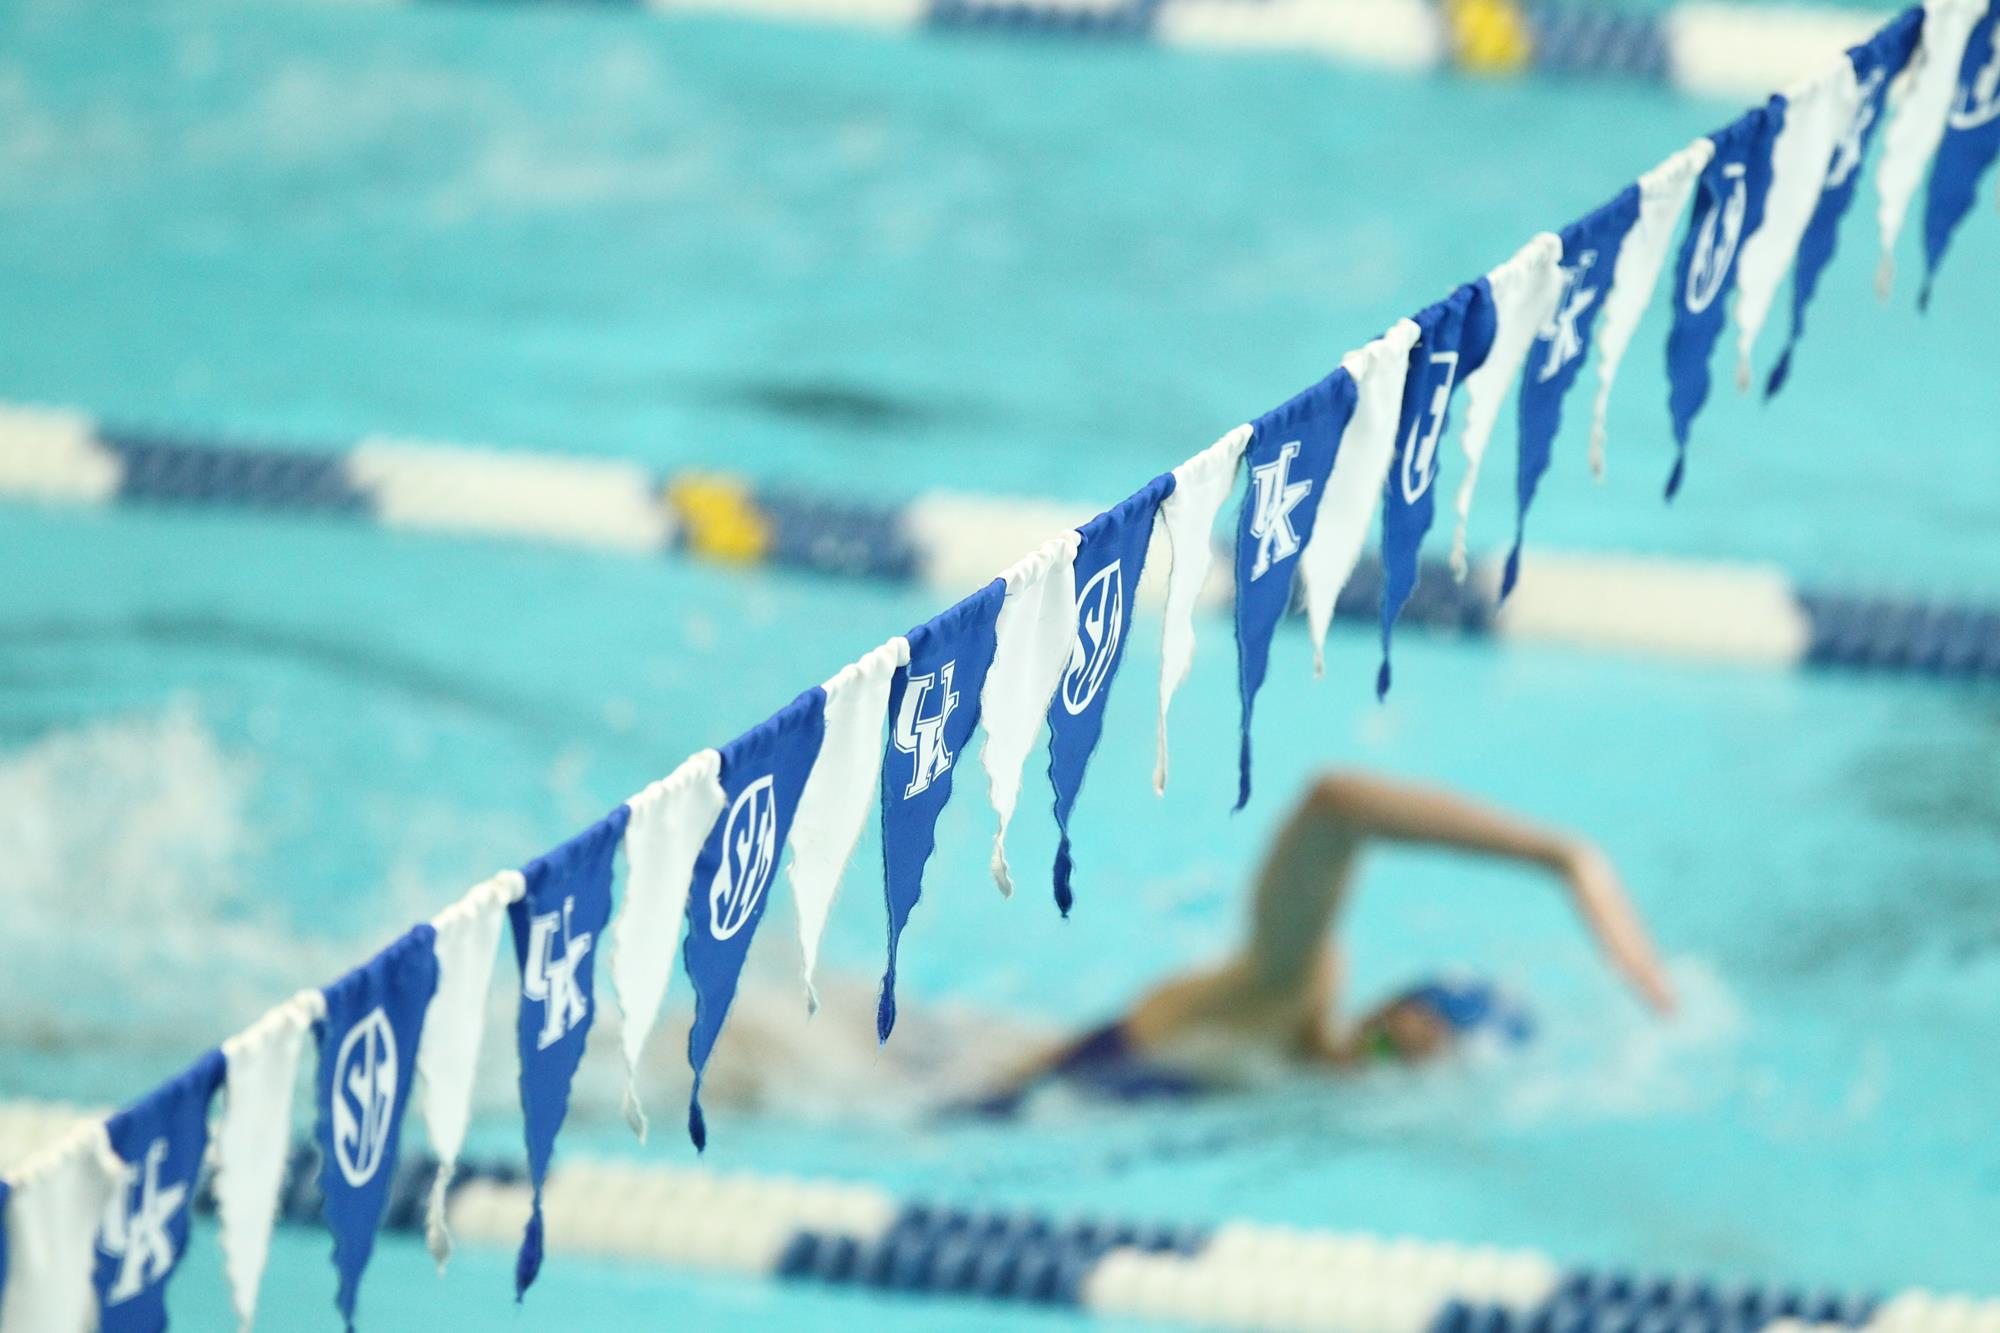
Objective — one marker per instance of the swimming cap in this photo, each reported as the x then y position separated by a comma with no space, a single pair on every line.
1472,1004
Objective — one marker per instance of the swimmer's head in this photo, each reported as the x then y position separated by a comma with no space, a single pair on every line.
1435,1017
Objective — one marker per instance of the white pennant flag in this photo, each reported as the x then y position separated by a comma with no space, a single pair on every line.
1816,115
1663,196
834,803
1911,139
468,935
57,1202
670,821
254,1139
1360,470
1525,291
1188,516
1033,636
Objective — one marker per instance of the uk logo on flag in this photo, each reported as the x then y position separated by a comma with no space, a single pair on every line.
550,976
1276,496
136,1229
928,704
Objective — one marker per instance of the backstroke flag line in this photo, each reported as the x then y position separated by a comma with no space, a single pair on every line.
367,1061
1920,120
763,772
1360,469
1455,336
1187,516
254,1137
1816,115
162,1140
1971,139
1862,87
933,707
558,928
55,1203
1110,557
93,1227
1728,209
1589,249
1289,459
669,822
1524,291
1663,197
466,938
1031,645
834,805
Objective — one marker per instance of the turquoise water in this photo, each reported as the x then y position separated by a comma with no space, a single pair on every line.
876,266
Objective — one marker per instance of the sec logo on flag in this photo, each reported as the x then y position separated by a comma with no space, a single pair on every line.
749,854
1100,623
364,1097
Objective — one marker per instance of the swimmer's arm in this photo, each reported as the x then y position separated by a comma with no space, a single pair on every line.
1305,877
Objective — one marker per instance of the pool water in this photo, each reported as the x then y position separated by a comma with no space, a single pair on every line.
237,753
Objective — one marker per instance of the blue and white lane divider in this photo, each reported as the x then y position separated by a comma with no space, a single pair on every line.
1726,50
1695,611
1239,1274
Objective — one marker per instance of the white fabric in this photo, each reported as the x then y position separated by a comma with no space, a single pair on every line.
1200,486
670,820
58,1202
1663,197
254,1137
838,791
1360,469
1911,139
468,934
1815,115
1032,641
1525,291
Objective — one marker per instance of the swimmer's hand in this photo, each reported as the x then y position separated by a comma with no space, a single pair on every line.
1601,898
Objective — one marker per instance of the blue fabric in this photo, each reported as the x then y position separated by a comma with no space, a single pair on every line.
933,707
763,772
1109,559
1590,247
1971,140
367,1062
1728,208
161,1139
1290,456
558,929
1876,63
5,1190
1454,337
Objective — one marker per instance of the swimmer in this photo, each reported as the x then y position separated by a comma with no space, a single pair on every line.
1273,1004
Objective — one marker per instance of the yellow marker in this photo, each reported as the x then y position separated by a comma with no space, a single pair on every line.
720,520
1489,36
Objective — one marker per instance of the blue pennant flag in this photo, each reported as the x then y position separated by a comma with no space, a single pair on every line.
558,931
1454,337
5,1190
1590,247
933,707
1971,141
763,772
161,1140
1876,64
367,1062
1728,209
1290,456
1109,559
